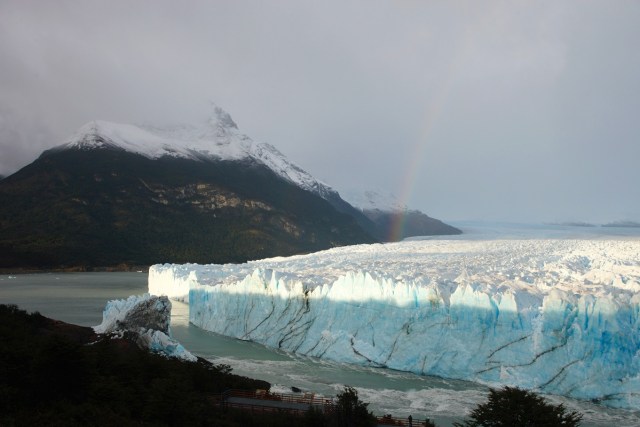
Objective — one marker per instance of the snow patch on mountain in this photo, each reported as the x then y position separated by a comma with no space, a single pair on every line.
217,139
377,199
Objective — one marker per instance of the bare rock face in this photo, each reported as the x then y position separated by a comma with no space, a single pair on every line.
145,320
136,312
153,314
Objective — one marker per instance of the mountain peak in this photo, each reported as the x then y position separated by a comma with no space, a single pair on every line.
221,119
217,138
91,135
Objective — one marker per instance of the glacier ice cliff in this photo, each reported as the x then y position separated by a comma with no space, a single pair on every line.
557,316
148,317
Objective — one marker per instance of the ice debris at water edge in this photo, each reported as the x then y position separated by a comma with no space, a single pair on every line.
146,316
557,316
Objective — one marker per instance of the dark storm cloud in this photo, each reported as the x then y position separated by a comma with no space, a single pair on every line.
522,111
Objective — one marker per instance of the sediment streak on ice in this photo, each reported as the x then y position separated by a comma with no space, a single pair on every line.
559,316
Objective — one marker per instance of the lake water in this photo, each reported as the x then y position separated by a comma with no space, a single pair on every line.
80,297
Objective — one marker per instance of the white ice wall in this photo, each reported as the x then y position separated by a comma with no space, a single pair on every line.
172,280
560,317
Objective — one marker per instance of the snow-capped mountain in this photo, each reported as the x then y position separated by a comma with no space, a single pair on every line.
118,194
216,139
219,139
124,194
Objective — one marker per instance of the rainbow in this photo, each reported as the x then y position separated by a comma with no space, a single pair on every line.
431,115
415,161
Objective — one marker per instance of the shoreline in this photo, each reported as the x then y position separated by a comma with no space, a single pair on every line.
121,268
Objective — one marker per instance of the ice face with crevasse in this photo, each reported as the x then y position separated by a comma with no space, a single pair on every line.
556,316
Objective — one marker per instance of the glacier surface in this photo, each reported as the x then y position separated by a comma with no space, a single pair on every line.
557,316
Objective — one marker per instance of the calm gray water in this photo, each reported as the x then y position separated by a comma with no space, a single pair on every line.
80,297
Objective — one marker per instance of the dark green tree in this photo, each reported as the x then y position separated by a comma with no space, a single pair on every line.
315,417
350,411
428,423
512,406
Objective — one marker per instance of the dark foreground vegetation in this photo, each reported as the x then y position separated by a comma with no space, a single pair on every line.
49,375
512,406
56,374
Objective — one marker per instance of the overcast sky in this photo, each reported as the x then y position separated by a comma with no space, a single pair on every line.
497,110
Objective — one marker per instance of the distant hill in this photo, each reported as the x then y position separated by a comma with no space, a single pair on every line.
120,194
627,224
401,224
572,224
393,220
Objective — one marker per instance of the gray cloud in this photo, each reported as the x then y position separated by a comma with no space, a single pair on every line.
494,110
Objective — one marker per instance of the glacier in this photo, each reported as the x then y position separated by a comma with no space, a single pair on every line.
553,315
146,317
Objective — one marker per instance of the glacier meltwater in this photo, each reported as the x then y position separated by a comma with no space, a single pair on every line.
556,316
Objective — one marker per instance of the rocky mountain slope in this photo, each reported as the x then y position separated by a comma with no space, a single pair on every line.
393,220
122,194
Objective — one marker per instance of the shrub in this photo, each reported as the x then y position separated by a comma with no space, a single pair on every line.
512,406
350,411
